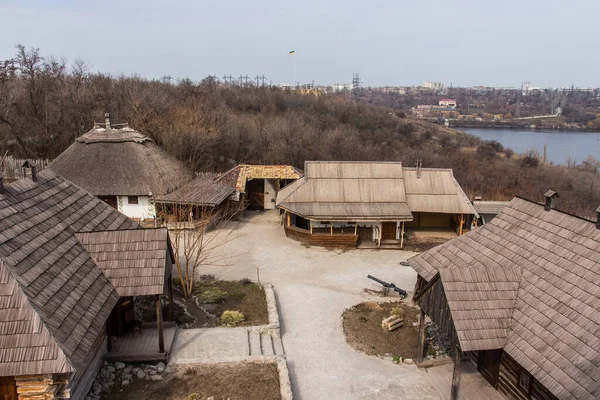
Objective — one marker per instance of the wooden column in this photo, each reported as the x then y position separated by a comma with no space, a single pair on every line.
379,234
289,218
171,301
311,226
355,228
402,236
462,222
159,325
108,336
331,228
421,337
456,375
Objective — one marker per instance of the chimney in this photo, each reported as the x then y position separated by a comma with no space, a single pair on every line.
419,165
33,173
551,197
598,217
26,169
107,120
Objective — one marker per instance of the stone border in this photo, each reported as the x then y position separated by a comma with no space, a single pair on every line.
285,386
271,307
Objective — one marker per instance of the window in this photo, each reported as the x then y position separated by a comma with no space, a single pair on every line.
132,200
525,381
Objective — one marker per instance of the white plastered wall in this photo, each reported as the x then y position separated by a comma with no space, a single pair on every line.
143,210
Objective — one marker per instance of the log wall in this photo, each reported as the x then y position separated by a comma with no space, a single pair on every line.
321,239
40,387
508,382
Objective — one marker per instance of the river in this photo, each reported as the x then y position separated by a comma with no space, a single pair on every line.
560,145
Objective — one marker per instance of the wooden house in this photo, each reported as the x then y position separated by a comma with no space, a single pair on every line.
198,197
68,262
372,203
488,209
520,297
256,186
123,167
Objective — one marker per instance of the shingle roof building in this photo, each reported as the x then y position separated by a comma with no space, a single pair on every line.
528,282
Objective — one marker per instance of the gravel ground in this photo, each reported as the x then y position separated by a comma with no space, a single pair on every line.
313,287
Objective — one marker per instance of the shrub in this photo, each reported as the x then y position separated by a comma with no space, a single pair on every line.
245,281
398,312
231,318
207,277
213,295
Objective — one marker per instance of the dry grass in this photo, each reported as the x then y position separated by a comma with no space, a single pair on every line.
239,381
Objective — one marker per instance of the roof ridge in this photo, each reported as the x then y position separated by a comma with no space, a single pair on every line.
556,209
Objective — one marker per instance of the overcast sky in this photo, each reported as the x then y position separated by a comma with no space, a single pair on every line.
390,43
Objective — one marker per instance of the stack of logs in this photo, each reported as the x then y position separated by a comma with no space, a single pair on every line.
392,323
41,387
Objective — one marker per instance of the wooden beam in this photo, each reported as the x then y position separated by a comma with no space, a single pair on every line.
456,375
402,236
159,325
171,301
421,337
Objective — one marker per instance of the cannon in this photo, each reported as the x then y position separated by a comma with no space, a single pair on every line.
388,285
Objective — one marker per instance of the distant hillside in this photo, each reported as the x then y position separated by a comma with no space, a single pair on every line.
44,106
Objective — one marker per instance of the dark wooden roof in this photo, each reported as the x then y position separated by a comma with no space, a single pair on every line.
120,162
48,277
202,191
135,261
553,258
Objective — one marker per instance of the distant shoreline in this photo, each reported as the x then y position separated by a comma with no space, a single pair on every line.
492,126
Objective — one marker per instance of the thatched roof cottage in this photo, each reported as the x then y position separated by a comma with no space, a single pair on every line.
520,297
122,167
69,266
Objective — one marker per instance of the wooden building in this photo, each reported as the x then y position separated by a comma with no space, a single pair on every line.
520,297
372,203
123,167
488,209
67,261
256,186
196,198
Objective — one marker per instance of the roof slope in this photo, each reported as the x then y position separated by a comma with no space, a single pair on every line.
134,261
554,330
348,190
239,175
119,162
62,284
490,207
435,190
201,191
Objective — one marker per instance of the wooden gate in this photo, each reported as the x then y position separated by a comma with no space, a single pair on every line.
8,388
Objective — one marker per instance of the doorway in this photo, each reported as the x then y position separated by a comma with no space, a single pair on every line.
388,231
488,365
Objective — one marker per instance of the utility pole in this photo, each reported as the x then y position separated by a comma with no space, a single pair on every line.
257,78
241,81
263,78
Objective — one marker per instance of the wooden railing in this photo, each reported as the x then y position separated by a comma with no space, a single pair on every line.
321,238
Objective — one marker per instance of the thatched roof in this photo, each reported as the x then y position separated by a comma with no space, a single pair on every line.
120,162
202,191
54,300
136,262
239,175
345,191
527,282
372,191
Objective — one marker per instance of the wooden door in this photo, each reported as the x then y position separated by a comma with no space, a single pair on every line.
488,364
8,388
388,231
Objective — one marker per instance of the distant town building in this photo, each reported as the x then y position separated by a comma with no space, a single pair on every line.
433,85
448,103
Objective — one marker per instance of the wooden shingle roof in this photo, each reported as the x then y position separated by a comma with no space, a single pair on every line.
348,191
60,293
202,191
554,325
135,261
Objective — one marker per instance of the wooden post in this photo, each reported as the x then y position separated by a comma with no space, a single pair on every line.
311,226
171,297
379,234
331,228
462,222
355,228
108,336
402,236
421,337
456,375
159,325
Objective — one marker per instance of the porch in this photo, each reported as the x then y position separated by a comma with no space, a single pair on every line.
142,346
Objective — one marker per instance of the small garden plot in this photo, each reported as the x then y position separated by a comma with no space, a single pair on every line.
244,301
240,381
364,331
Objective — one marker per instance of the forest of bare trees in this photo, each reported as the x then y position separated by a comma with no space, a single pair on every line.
45,103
